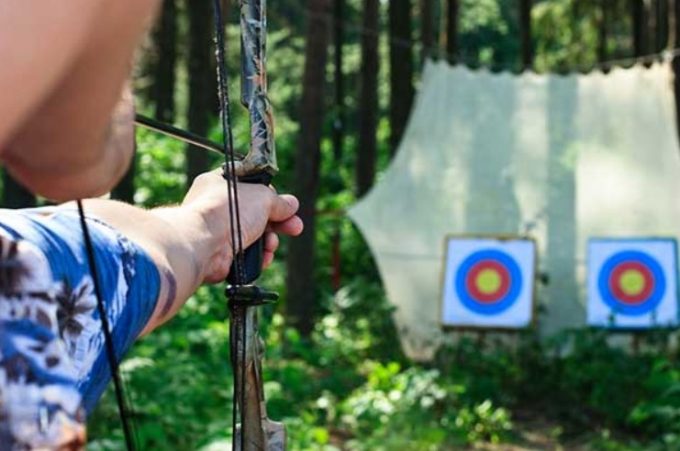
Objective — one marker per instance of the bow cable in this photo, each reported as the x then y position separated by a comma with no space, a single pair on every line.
228,139
236,235
129,431
238,347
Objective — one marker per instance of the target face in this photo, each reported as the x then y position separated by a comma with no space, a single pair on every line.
488,283
632,282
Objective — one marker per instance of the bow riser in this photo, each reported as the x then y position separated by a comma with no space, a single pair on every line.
255,432
261,156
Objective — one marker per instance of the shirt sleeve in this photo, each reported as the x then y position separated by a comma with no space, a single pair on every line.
47,295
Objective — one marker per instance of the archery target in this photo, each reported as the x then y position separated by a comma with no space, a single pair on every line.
488,283
632,283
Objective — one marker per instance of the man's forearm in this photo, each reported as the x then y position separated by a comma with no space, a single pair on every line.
173,237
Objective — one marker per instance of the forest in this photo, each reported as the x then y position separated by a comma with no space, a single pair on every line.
343,76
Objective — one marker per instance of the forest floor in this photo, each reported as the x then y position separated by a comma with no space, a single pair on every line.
534,433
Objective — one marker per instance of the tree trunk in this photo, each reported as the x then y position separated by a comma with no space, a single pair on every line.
652,24
165,43
526,35
427,28
639,28
202,84
662,25
335,180
339,122
603,35
452,30
401,69
368,100
672,23
14,194
676,59
301,300
125,190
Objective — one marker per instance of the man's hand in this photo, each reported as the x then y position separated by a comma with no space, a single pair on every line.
262,212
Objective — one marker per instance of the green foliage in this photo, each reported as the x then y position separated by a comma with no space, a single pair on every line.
160,174
485,38
179,379
569,35
484,423
585,379
659,410
349,386
414,409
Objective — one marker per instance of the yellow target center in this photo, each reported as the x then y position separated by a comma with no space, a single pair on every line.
632,282
488,281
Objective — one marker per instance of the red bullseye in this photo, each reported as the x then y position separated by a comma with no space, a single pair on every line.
472,281
618,289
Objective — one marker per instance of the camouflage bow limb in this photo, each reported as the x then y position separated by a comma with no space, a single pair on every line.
253,430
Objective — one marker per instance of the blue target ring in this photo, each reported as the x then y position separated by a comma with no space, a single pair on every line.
617,305
501,304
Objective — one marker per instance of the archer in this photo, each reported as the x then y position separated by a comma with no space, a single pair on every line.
67,133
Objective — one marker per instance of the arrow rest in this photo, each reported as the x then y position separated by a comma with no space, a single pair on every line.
249,296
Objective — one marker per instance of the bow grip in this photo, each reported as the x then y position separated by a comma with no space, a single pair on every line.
253,255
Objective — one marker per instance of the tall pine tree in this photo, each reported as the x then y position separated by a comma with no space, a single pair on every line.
368,99
301,303
401,68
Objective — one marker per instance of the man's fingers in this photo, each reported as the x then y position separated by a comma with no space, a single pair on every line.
282,217
292,226
271,243
267,259
284,207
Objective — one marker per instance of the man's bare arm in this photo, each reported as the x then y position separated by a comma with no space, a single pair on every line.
190,243
70,146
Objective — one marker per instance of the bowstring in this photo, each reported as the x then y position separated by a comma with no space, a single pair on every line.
129,431
228,143
238,348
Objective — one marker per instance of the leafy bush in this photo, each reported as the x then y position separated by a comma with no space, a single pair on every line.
658,412
416,409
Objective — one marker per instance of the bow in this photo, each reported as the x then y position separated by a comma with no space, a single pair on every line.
252,429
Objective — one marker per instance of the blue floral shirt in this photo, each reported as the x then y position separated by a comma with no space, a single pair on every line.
53,364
